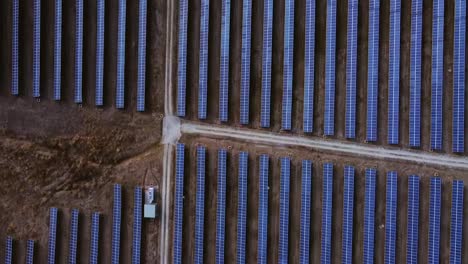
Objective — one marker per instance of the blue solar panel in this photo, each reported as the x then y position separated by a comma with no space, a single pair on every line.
203,70
58,50
390,217
415,83
309,60
456,223
182,58
94,241
327,202
224,61
221,206
329,123
9,250
284,210
394,73
30,251
266,63
242,207
437,81
458,120
413,220
351,69
306,192
120,88
15,47
141,82
73,242
348,208
263,211
245,61
200,205
100,28
116,221
52,235
369,216
137,218
288,64
179,203
434,221
373,70
37,49
79,53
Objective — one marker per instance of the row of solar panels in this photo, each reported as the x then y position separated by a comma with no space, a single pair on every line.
78,74
351,68
456,226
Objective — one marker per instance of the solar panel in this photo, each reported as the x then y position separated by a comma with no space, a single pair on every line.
413,220
221,203
141,84
434,220
415,72
137,218
329,123
327,202
242,207
52,235
263,211
224,61
456,222
120,90
266,63
458,120
179,203
37,49
284,210
9,250
394,73
100,28
309,60
15,47
369,216
373,70
79,53
116,221
348,207
30,251
437,81
203,70
245,61
200,205
73,243
182,58
288,64
351,69
306,192
58,50
94,241
390,217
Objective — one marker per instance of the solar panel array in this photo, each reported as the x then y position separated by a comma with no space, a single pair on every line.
434,220
415,72
203,66
327,203
456,222
351,69
36,92
390,217
458,107
182,58
284,210
141,82
242,207
9,250
394,73
413,220
373,70
15,47
116,221
306,192
262,245
179,203
100,29
369,216
309,66
329,118
79,52
437,80
224,61
58,50
52,235
245,61
266,63
30,251
137,219
120,83
288,64
200,205
73,242
94,241
348,208
221,206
